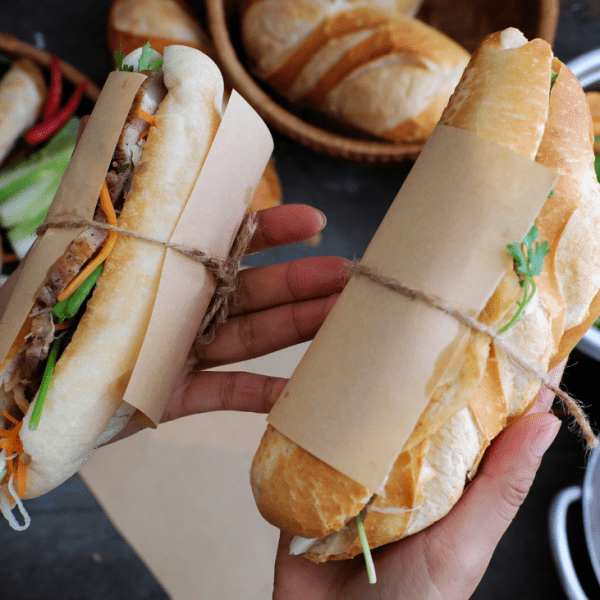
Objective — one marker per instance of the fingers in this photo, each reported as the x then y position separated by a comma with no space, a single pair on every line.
207,391
297,577
480,518
279,306
545,397
286,224
259,333
304,279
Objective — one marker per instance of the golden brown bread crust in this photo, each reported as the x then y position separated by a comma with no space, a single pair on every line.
446,447
379,71
132,23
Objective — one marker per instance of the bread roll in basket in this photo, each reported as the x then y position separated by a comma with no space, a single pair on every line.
464,21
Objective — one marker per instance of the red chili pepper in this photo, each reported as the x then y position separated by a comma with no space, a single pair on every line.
55,92
44,130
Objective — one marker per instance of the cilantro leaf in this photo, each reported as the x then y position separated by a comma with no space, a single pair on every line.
143,62
529,261
119,58
145,57
531,236
537,259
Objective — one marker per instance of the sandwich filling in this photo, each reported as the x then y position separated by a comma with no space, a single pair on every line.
26,373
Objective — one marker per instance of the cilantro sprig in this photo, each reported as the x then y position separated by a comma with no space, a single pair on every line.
143,62
529,260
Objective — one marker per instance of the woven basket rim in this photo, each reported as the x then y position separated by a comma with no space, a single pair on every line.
10,44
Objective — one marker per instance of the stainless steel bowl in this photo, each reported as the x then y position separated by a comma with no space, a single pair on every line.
589,495
587,69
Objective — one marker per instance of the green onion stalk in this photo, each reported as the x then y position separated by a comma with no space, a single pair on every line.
366,550
3,469
66,309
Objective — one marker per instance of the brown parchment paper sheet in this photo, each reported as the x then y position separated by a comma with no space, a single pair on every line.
210,222
368,375
179,494
76,198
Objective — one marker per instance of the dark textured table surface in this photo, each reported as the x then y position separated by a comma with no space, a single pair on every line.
73,552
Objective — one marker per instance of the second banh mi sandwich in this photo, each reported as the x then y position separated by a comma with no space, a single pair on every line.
516,93
49,424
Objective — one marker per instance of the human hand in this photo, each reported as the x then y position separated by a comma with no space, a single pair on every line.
277,306
447,560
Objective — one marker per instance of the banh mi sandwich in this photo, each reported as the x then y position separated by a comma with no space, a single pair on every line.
22,95
62,382
516,93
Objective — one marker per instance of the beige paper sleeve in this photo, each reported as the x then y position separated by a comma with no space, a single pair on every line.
369,373
210,222
76,198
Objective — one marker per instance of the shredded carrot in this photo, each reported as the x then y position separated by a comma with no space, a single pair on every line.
64,325
21,477
11,419
12,444
146,116
142,114
111,217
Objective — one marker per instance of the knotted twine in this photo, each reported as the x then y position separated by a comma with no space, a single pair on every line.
225,271
573,406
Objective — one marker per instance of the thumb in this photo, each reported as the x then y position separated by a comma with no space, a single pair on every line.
491,502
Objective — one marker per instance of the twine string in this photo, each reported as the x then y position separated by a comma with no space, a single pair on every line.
573,406
225,271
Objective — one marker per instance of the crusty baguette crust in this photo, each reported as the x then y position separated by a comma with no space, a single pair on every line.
379,71
169,19
92,374
447,445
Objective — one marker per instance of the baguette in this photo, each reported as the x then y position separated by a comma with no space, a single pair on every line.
84,406
504,95
376,70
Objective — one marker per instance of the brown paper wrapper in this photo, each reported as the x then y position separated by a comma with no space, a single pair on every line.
369,373
210,222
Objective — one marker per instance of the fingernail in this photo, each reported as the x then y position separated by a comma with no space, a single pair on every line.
324,219
544,438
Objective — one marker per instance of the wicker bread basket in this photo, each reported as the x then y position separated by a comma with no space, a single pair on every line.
465,21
